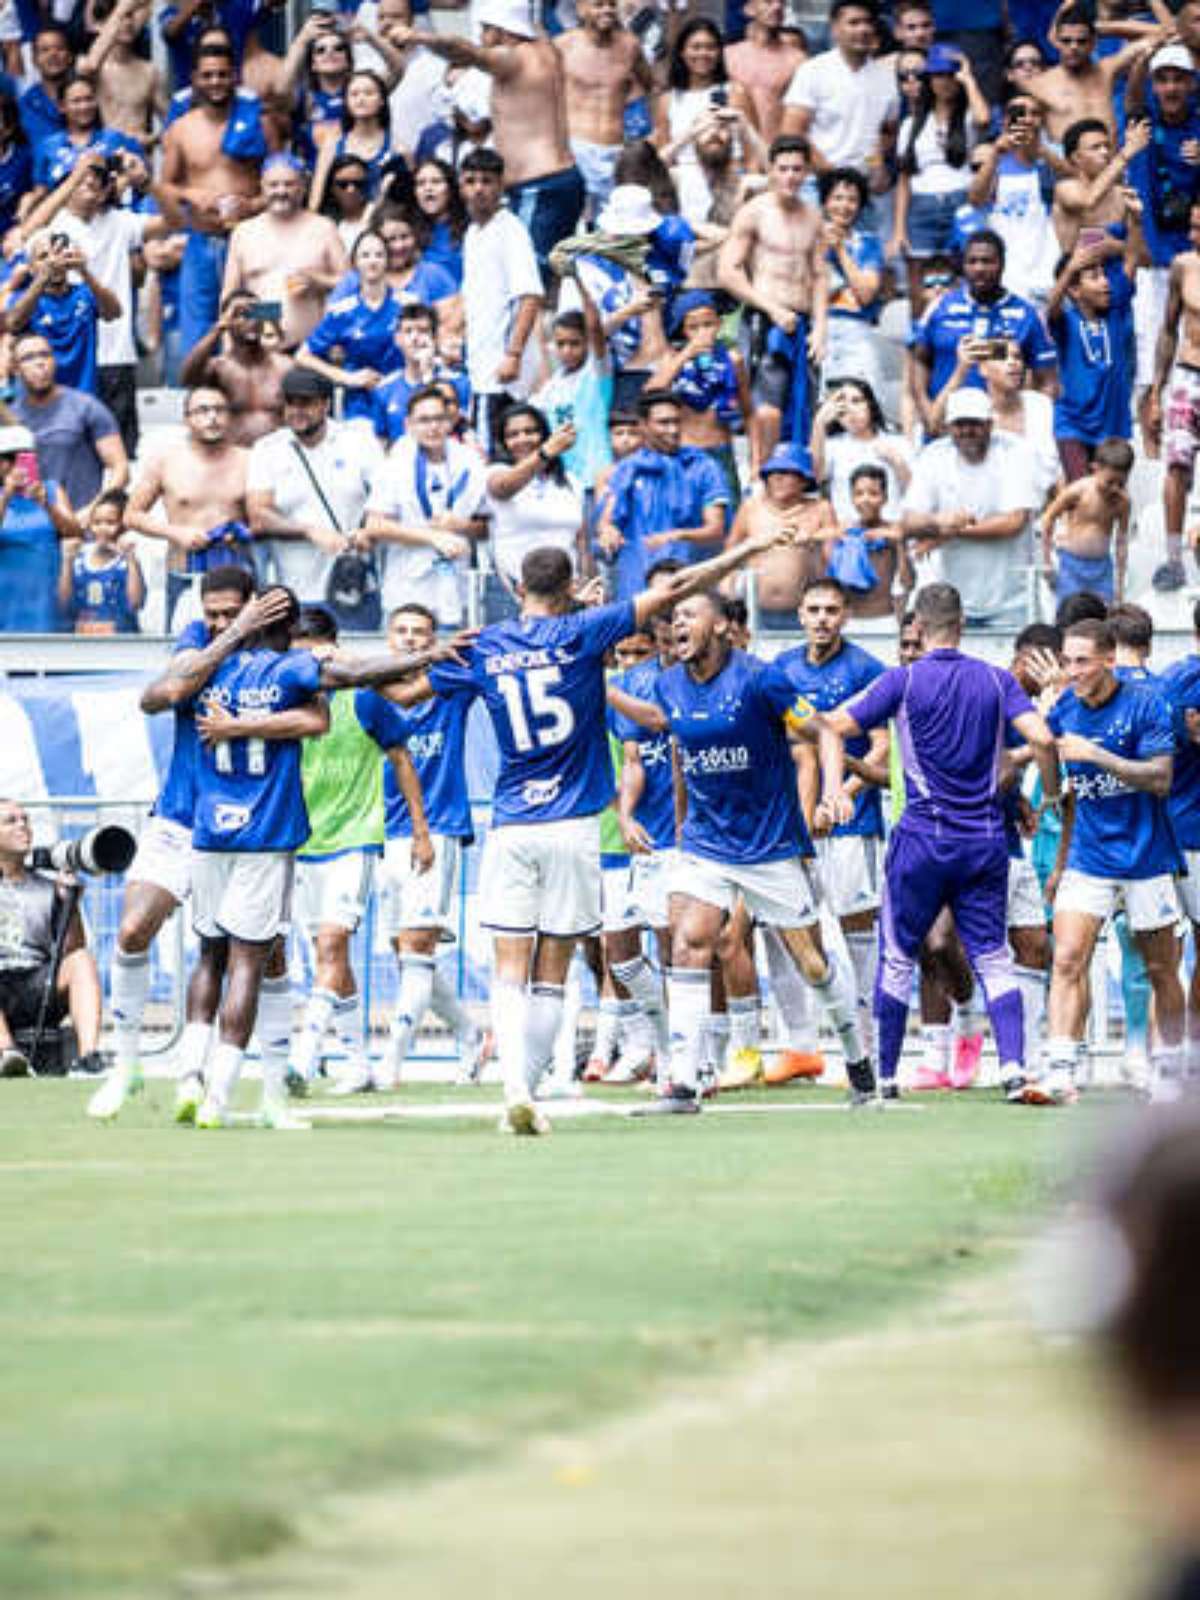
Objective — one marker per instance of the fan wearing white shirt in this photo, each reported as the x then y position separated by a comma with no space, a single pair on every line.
424,511
845,101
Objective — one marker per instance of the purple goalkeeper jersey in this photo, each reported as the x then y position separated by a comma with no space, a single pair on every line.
952,716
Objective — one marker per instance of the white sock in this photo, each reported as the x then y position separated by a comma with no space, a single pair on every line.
1032,985
838,996
689,999
194,1044
794,1000
417,975
1167,1060
637,1036
350,1032
938,1041
223,1074
743,1022
864,959
130,987
967,1018
716,1040
510,1006
444,1003
608,1022
309,1048
273,1026
543,1020
645,988
1062,1053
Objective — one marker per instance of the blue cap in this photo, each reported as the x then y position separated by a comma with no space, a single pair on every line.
942,59
789,458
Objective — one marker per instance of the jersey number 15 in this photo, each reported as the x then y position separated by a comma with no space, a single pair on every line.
536,715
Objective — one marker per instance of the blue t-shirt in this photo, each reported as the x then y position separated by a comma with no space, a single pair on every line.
56,157
435,736
1180,683
68,322
958,313
1119,832
177,798
656,809
866,252
41,117
542,681
428,284
100,596
16,179
389,402
737,766
1166,183
1096,361
651,491
367,337
248,791
827,684
952,717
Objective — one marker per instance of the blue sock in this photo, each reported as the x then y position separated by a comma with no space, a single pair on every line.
891,1022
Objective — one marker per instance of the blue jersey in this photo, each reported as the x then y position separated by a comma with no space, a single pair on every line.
366,336
389,403
248,792
68,323
1118,832
742,805
1180,683
827,684
958,313
1096,360
177,798
952,715
435,736
656,809
100,597
542,680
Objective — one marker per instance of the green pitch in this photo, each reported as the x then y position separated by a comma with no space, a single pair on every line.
205,1337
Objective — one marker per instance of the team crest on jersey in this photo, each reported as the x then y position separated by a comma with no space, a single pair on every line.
228,819
541,791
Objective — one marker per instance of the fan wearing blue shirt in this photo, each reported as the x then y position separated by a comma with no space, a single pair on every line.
743,835
421,905
978,308
1090,313
360,324
1180,683
63,303
827,669
1117,741
541,679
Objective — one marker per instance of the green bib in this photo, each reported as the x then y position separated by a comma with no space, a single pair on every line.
342,774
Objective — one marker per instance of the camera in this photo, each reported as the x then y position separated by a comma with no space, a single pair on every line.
1173,210
107,849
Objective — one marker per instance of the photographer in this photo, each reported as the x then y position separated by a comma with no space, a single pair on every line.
86,208
31,908
63,302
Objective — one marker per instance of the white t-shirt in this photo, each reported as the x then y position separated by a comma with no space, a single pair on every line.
849,108
934,174
108,242
344,463
499,267
542,513
843,453
417,572
988,573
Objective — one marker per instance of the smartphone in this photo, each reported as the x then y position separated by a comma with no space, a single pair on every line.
719,96
325,8
266,311
27,465
994,350
1091,236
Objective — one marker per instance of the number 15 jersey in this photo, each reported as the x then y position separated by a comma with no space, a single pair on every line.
542,680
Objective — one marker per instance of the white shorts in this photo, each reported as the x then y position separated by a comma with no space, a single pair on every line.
420,899
1149,903
542,878
333,892
618,907
1188,887
1149,313
164,857
848,872
652,887
245,895
778,894
1026,905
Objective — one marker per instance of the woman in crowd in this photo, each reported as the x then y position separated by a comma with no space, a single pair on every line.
34,516
531,499
440,215
16,163
339,190
849,431
318,66
855,264
361,325
698,85
366,126
411,276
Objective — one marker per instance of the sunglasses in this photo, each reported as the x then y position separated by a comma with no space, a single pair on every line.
910,75
349,183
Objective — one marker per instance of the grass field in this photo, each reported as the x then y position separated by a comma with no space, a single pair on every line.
418,1358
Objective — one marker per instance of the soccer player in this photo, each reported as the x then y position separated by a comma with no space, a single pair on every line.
743,837
158,880
421,904
250,819
1117,849
344,796
826,670
948,849
1181,685
541,677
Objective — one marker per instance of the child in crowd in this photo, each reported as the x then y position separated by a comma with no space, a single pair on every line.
579,391
790,500
101,588
869,557
711,381
416,337
1093,547
624,437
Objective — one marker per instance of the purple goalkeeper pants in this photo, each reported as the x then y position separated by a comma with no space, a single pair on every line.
924,872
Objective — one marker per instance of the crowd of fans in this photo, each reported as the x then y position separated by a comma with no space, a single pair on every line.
632,280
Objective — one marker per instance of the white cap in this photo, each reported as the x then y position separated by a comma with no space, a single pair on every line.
15,438
630,209
471,95
511,16
1172,55
968,405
